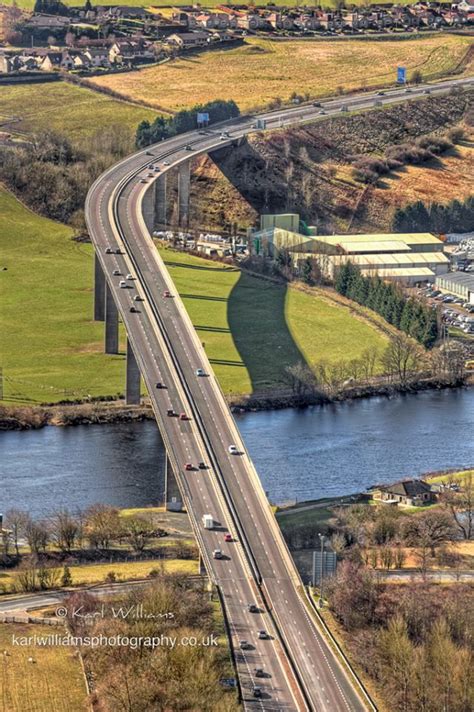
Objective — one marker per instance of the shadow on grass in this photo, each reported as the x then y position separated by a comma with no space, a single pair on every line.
213,329
201,296
200,267
257,321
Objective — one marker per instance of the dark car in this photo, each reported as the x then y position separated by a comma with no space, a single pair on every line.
170,412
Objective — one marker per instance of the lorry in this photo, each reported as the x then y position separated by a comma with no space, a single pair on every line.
208,521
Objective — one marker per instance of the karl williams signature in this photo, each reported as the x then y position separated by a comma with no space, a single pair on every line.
135,612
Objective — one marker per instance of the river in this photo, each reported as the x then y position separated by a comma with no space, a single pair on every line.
299,454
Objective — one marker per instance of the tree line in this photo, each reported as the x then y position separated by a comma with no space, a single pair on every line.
185,120
456,216
407,314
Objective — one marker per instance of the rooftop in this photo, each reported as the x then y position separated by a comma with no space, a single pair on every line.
411,238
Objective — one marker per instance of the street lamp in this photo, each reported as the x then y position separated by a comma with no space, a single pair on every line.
322,538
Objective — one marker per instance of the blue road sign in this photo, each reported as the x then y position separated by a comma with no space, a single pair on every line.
401,75
202,119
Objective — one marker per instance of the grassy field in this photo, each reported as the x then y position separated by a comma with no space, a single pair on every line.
39,686
54,351
260,70
75,111
51,348
451,477
124,571
253,329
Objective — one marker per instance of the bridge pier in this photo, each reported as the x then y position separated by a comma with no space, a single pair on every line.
173,501
111,323
132,386
160,201
99,290
184,179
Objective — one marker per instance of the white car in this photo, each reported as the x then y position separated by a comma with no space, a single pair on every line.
200,372
129,276
233,450
166,163
123,284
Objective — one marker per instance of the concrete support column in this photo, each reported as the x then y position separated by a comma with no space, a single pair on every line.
184,178
111,323
99,290
160,201
173,502
149,209
132,386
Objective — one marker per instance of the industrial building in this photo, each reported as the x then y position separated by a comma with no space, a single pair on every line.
461,284
408,258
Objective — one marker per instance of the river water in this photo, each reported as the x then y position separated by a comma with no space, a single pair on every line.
299,454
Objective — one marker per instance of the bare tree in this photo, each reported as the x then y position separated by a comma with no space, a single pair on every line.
64,529
15,520
37,535
458,498
402,357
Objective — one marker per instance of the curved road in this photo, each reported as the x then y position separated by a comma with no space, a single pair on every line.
301,669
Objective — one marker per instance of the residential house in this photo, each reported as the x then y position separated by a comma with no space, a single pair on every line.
407,493
131,52
97,56
188,40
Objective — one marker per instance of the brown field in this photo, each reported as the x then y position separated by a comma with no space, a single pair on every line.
53,682
261,69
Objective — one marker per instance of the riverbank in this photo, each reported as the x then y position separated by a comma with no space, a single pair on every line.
101,411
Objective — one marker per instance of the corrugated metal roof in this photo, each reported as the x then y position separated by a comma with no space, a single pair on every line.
410,258
464,278
376,246
411,238
421,272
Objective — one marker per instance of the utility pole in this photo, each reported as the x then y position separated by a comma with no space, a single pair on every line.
321,603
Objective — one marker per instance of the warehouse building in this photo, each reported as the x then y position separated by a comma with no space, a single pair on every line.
461,284
408,258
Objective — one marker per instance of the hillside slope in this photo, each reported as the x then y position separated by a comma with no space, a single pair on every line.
308,169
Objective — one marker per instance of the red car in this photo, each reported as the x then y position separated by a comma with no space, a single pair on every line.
188,466
166,293
183,416
227,537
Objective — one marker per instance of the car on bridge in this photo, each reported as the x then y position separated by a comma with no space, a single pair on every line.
116,272
217,554
227,537
159,384
262,635
138,298
202,466
200,372
257,692
252,608
184,416
233,450
123,284
133,310
109,251
166,293
189,467
244,645
259,672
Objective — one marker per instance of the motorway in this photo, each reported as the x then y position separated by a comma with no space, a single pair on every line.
302,671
